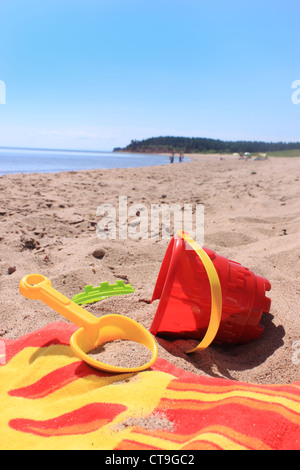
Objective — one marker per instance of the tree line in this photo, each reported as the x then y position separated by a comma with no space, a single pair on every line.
204,145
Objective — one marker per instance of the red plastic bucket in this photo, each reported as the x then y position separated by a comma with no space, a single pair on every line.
185,292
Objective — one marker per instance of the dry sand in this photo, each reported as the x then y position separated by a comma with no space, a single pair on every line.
252,215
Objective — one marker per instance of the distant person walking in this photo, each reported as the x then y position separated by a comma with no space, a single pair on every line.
181,157
172,158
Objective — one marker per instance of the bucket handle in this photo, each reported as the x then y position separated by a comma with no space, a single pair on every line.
216,293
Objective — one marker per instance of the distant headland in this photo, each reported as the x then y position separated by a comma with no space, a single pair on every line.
203,145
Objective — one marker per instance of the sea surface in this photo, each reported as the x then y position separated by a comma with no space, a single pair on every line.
19,160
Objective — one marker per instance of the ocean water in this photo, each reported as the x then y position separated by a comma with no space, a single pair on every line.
54,161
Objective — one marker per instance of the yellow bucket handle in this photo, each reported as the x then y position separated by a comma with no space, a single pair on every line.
216,293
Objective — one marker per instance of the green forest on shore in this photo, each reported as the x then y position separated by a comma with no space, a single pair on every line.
205,145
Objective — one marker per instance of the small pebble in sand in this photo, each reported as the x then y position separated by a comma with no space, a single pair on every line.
99,253
122,353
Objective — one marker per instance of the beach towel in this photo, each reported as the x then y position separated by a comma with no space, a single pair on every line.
52,400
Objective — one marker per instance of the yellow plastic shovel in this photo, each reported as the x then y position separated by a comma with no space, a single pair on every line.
92,331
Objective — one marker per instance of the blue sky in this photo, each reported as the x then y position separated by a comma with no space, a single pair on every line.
95,74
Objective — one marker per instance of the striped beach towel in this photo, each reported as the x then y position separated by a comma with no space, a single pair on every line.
51,400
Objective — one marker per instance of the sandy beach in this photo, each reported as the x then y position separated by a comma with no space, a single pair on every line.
252,215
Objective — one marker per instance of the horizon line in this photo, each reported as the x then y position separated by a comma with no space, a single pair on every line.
53,149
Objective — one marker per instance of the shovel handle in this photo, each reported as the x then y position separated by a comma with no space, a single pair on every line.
36,286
